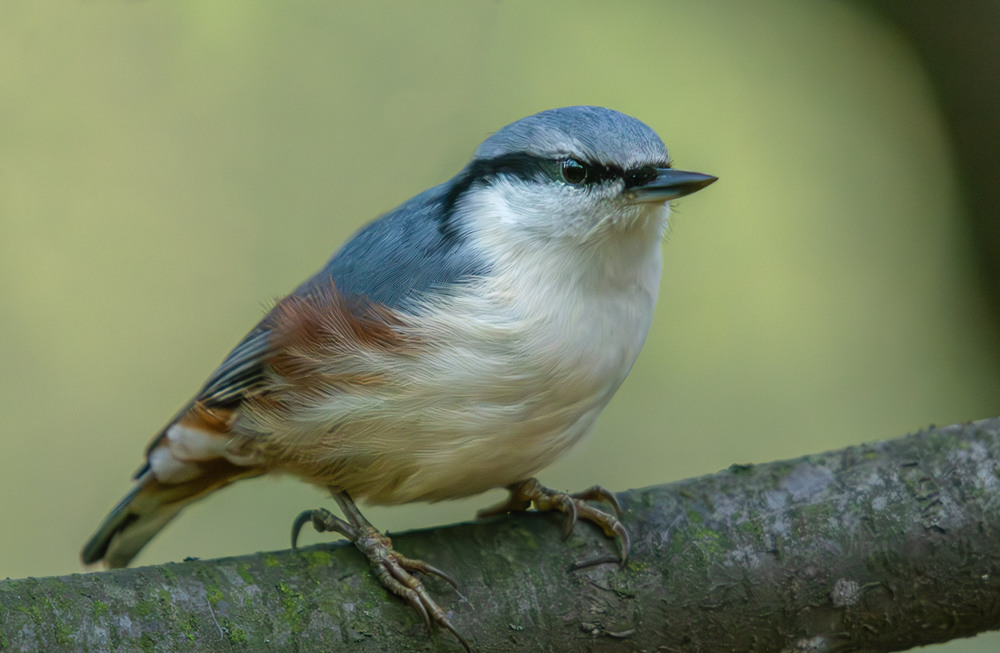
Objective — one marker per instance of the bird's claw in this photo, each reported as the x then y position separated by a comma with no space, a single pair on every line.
575,506
392,569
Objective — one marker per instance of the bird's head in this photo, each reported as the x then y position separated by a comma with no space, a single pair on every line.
579,173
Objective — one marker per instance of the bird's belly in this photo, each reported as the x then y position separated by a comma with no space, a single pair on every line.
484,418
487,453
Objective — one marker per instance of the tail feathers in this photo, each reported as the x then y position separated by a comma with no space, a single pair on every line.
134,522
148,508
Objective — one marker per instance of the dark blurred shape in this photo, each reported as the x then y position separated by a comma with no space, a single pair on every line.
959,46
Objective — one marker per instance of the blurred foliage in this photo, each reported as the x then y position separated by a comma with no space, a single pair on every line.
166,168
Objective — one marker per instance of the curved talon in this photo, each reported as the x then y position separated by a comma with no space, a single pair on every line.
612,500
626,541
414,600
323,521
300,521
568,506
458,636
419,565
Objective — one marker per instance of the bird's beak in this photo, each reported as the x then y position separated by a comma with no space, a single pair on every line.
669,184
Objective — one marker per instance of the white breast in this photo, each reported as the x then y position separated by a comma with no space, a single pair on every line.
528,359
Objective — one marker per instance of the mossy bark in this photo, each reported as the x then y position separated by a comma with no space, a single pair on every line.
879,547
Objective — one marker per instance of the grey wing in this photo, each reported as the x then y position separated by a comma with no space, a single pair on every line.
413,249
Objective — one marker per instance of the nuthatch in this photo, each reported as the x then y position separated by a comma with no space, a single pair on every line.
459,343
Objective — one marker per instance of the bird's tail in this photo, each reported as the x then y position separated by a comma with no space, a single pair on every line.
147,509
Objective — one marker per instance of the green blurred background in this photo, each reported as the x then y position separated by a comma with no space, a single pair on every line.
167,168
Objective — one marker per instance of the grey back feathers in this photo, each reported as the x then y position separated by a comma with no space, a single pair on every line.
408,251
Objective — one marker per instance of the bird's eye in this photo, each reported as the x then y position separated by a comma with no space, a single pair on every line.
573,172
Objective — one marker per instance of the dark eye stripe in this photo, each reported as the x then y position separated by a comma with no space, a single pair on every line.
531,167
528,166
599,174
520,165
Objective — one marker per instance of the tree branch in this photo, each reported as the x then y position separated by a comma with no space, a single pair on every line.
878,547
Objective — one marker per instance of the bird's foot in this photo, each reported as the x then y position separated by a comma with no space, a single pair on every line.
392,569
574,506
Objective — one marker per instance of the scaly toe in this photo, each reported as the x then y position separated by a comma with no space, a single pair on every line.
419,565
574,506
393,574
598,493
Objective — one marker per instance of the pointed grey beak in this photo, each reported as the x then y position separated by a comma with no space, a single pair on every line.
669,184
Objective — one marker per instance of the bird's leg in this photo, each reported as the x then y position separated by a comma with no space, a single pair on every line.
392,569
526,493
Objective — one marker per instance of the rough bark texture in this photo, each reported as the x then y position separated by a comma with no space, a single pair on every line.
879,547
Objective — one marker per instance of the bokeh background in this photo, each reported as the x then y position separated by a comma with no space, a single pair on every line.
168,168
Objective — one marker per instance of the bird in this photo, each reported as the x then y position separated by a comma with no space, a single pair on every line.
458,343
